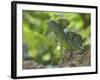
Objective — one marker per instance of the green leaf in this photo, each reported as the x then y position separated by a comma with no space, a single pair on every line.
74,40
86,47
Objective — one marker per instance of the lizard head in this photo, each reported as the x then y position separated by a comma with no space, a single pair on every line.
63,23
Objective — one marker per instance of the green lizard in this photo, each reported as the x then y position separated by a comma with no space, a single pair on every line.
70,39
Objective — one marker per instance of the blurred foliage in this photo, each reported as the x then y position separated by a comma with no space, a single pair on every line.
43,45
